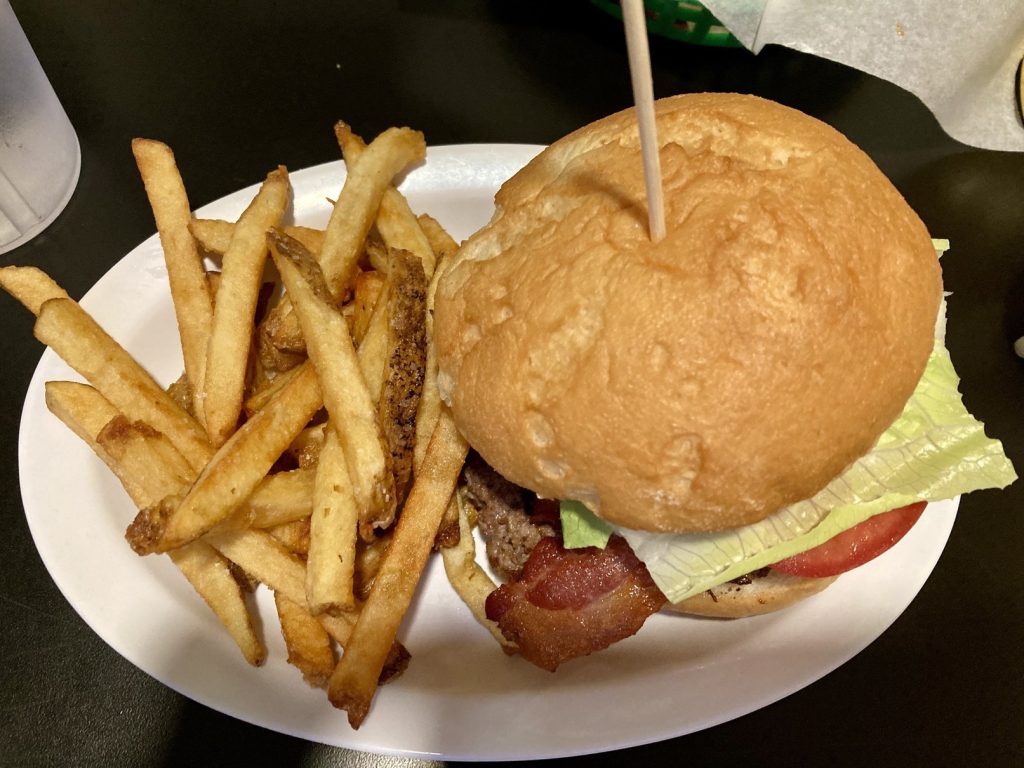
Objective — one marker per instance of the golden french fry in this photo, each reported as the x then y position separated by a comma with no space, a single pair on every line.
89,415
357,204
405,362
330,563
67,329
306,446
144,456
263,396
355,678
210,575
82,409
257,553
430,399
193,306
373,348
294,535
469,580
280,345
181,393
368,289
235,307
442,243
428,409
352,412
308,643
232,475
283,497
396,222
214,235
265,559
369,556
31,286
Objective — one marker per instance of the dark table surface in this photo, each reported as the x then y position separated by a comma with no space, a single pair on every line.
234,88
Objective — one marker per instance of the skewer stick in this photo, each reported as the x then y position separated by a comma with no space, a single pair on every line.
643,95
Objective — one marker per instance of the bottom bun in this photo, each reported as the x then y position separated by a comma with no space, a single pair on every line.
763,594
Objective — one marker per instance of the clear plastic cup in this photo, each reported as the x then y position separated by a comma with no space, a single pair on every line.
39,153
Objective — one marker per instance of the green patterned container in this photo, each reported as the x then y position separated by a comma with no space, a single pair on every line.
680,20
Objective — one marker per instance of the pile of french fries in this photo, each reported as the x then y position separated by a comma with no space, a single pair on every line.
304,447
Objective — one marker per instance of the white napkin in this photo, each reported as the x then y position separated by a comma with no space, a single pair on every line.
959,57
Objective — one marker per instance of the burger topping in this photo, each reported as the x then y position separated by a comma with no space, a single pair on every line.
570,603
855,546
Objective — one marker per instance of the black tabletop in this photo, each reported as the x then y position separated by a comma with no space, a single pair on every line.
235,88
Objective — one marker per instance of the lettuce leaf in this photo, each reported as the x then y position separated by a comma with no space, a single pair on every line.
582,527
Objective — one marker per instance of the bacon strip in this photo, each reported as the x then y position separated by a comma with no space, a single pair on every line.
572,602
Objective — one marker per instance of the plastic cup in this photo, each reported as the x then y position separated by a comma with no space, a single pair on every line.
39,153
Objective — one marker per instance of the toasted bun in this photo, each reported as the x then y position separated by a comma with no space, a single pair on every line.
763,594
704,382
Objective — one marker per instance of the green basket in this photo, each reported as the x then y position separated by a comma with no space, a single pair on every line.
680,20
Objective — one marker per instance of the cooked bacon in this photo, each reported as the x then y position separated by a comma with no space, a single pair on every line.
572,602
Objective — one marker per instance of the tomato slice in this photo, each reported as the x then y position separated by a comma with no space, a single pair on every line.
855,546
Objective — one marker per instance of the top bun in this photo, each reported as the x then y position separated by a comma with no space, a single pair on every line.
708,380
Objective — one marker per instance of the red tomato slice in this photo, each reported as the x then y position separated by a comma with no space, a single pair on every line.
855,546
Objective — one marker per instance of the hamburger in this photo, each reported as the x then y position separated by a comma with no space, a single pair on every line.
708,408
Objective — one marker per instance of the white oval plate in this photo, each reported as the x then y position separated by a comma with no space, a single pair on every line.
461,698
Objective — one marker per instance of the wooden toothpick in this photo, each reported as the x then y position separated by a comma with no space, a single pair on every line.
643,95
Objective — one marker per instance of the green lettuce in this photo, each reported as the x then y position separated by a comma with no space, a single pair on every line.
582,527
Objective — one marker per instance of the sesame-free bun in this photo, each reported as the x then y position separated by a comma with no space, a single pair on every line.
705,381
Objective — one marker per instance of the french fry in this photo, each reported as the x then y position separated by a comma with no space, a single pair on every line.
294,535
279,341
67,329
373,348
193,307
405,362
330,563
306,446
181,393
368,290
469,580
235,471
369,556
263,396
269,561
352,412
308,643
359,200
214,235
279,498
210,575
89,415
442,243
141,455
396,222
354,680
430,400
235,306
265,559
83,410
31,286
